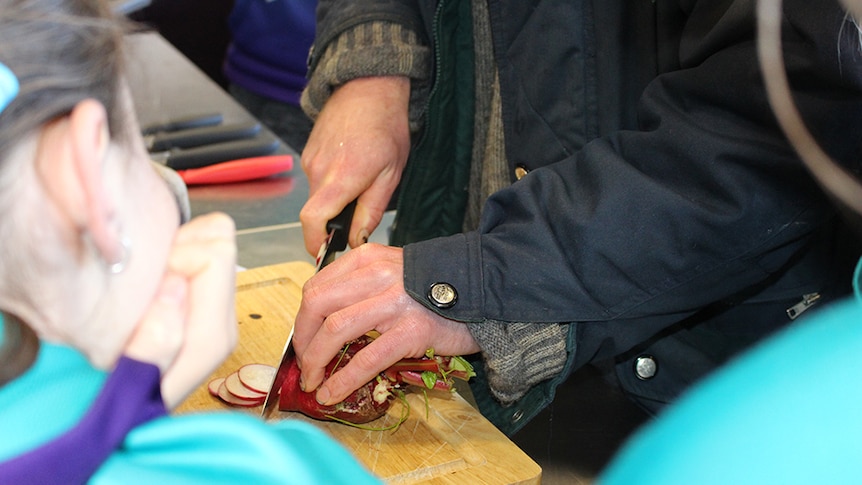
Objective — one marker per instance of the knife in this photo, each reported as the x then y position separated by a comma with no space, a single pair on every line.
203,135
238,170
197,157
336,240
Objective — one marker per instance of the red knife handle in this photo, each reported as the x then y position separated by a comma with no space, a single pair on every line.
238,170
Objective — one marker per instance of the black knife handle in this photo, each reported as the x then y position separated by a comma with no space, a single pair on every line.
340,227
184,159
183,123
204,135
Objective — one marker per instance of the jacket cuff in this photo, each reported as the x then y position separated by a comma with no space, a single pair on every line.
370,49
446,276
518,356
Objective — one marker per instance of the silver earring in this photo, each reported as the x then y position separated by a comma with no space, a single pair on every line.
120,265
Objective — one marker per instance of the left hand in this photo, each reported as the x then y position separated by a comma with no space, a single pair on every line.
361,291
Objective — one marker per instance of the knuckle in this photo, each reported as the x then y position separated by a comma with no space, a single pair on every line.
311,293
336,323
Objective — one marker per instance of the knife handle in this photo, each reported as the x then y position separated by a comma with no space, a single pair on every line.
185,122
203,135
238,170
339,226
184,159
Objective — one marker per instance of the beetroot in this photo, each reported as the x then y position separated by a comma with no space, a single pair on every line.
367,403
372,400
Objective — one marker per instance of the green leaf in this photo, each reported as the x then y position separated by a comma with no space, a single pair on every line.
429,378
459,363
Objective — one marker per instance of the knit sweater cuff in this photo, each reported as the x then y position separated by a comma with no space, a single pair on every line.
519,356
371,49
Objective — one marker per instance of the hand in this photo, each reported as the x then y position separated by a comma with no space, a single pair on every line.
191,326
357,149
361,291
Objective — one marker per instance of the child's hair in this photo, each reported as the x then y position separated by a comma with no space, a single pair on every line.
61,52
18,349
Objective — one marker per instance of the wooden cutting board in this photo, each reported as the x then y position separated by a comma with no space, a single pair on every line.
444,442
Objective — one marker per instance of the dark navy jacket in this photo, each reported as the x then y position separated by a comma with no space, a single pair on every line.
664,213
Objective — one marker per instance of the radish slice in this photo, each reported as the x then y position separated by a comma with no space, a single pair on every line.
236,387
257,377
214,385
229,398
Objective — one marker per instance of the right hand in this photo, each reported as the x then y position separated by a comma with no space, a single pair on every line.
357,149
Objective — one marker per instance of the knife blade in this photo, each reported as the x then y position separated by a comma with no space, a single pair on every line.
202,156
203,135
339,230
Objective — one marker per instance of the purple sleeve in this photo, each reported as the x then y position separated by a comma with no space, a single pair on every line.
130,397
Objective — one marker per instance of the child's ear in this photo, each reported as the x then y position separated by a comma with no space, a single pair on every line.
73,156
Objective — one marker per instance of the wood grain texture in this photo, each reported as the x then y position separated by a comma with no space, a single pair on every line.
445,441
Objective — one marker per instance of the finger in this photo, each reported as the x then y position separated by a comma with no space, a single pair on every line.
215,225
370,207
159,335
373,359
344,326
322,207
359,274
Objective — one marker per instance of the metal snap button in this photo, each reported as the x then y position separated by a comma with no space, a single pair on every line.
645,367
520,171
442,295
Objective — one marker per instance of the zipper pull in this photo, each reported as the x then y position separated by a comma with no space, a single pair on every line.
808,300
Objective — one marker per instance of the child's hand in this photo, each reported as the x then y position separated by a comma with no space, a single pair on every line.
191,326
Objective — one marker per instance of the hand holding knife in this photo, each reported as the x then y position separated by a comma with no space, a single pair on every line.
339,233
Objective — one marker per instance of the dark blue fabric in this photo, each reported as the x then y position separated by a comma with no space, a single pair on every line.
640,225
269,51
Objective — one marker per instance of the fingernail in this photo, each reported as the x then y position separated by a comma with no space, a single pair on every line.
322,395
363,235
301,384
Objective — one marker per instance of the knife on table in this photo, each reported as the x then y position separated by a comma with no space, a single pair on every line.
203,135
183,123
339,231
237,170
202,156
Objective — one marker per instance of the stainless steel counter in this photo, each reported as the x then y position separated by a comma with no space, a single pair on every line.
166,85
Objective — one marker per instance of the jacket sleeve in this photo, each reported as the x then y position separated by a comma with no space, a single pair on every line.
643,228
357,40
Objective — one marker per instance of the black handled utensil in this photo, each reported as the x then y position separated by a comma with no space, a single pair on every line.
202,156
183,123
339,231
203,135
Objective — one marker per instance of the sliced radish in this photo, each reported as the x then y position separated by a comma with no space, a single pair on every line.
236,387
214,385
229,398
257,377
